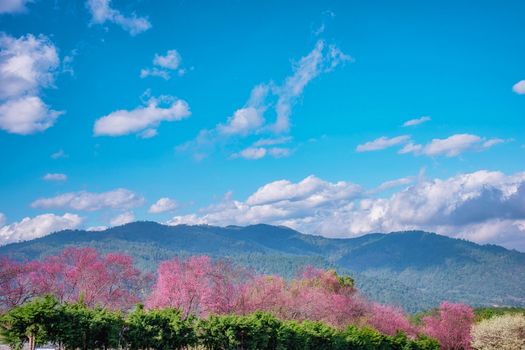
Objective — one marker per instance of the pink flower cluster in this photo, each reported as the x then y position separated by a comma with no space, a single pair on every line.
110,281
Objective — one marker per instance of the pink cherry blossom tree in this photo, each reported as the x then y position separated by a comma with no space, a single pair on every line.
197,285
451,326
110,281
389,320
15,284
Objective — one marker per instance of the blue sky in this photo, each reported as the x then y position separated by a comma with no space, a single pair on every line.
237,112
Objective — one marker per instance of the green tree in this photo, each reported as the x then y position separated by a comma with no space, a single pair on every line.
158,329
36,322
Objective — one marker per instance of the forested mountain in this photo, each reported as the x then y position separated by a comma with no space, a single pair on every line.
413,269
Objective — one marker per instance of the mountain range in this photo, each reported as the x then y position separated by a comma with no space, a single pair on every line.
415,270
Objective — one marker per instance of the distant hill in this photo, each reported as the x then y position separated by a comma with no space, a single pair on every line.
413,269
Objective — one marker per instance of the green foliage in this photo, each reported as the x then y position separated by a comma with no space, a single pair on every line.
36,322
85,328
484,313
257,331
158,329
75,326
265,332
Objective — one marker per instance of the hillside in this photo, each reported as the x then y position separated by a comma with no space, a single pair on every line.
413,269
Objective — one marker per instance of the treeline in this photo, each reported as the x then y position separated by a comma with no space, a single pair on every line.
76,326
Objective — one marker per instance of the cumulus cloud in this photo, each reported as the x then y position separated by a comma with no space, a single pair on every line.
163,205
55,177
88,201
249,118
382,143
27,65
484,206
122,219
38,226
452,146
519,87
123,122
14,6
417,121
163,65
102,12
276,201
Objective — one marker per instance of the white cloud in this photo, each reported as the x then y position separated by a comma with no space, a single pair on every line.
320,59
249,118
272,141
123,122
155,72
393,183
251,153
242,122
88,201
55,177
122,219
96,228
255,153
492,142
190,219
519,87
14,6
273,98
26,115
27,65
38,226
169,62
382,143
279,152
411,148
452,146
148,133
163,205
484,206
102,12
59,154
2,219
413,122
310,188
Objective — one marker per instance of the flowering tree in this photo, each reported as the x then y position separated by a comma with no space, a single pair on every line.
80,273
389,320
320,295
15,285
451,326
197,285
505,332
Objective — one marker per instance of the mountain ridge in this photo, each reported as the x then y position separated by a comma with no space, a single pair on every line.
413,269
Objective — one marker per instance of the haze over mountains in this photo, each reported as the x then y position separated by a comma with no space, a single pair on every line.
413,269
